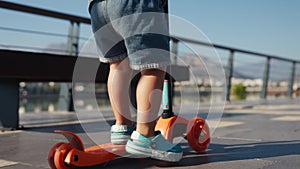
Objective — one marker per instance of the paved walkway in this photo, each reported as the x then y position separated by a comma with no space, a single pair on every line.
250,135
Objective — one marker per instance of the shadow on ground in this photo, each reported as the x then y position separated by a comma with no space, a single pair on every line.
216,153
76,128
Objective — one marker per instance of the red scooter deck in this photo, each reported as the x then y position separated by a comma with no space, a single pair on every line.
71,154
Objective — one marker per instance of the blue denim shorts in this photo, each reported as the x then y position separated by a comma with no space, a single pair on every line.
131,28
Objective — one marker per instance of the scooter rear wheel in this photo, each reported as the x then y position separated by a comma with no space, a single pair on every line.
198,134
51,155
60,155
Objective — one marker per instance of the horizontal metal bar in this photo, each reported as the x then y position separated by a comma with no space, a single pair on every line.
43,12
232,49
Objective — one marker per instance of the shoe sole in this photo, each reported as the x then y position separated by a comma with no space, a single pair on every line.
156,154
119,139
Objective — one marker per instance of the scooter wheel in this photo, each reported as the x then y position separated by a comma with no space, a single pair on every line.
198,135
60,155
51,155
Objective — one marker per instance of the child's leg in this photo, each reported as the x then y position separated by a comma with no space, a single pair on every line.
118,89
144,141
149,93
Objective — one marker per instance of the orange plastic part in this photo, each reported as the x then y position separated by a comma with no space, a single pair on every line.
60,155
73,139
198,134
166,126
69,155
95,155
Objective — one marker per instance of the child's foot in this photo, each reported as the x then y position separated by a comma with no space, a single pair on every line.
157,147
120,134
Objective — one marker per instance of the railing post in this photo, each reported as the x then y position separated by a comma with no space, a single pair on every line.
66,98
229,73
291,80
70,38
174,51
73,38
75,41
266,79
9,98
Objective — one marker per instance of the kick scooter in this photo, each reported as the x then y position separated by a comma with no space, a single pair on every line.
71,154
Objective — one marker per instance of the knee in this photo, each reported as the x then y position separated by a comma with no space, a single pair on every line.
153,72
122,65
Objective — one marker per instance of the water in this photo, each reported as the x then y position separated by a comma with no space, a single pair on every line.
49,102
38,104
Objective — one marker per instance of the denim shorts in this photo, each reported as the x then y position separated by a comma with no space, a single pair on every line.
131,28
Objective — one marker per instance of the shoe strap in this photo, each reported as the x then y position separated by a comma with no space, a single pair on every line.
119,128
136,136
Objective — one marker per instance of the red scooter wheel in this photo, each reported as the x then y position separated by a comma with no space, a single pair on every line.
60,155
51,155
198,135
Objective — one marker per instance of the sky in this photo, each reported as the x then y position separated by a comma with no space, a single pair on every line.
267,26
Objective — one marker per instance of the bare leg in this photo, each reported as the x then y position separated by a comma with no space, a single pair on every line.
118,88
149,93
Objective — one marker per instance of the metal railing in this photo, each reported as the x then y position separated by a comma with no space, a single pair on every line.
230,64
73,43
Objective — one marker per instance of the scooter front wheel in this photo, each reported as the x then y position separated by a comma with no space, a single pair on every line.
198,134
